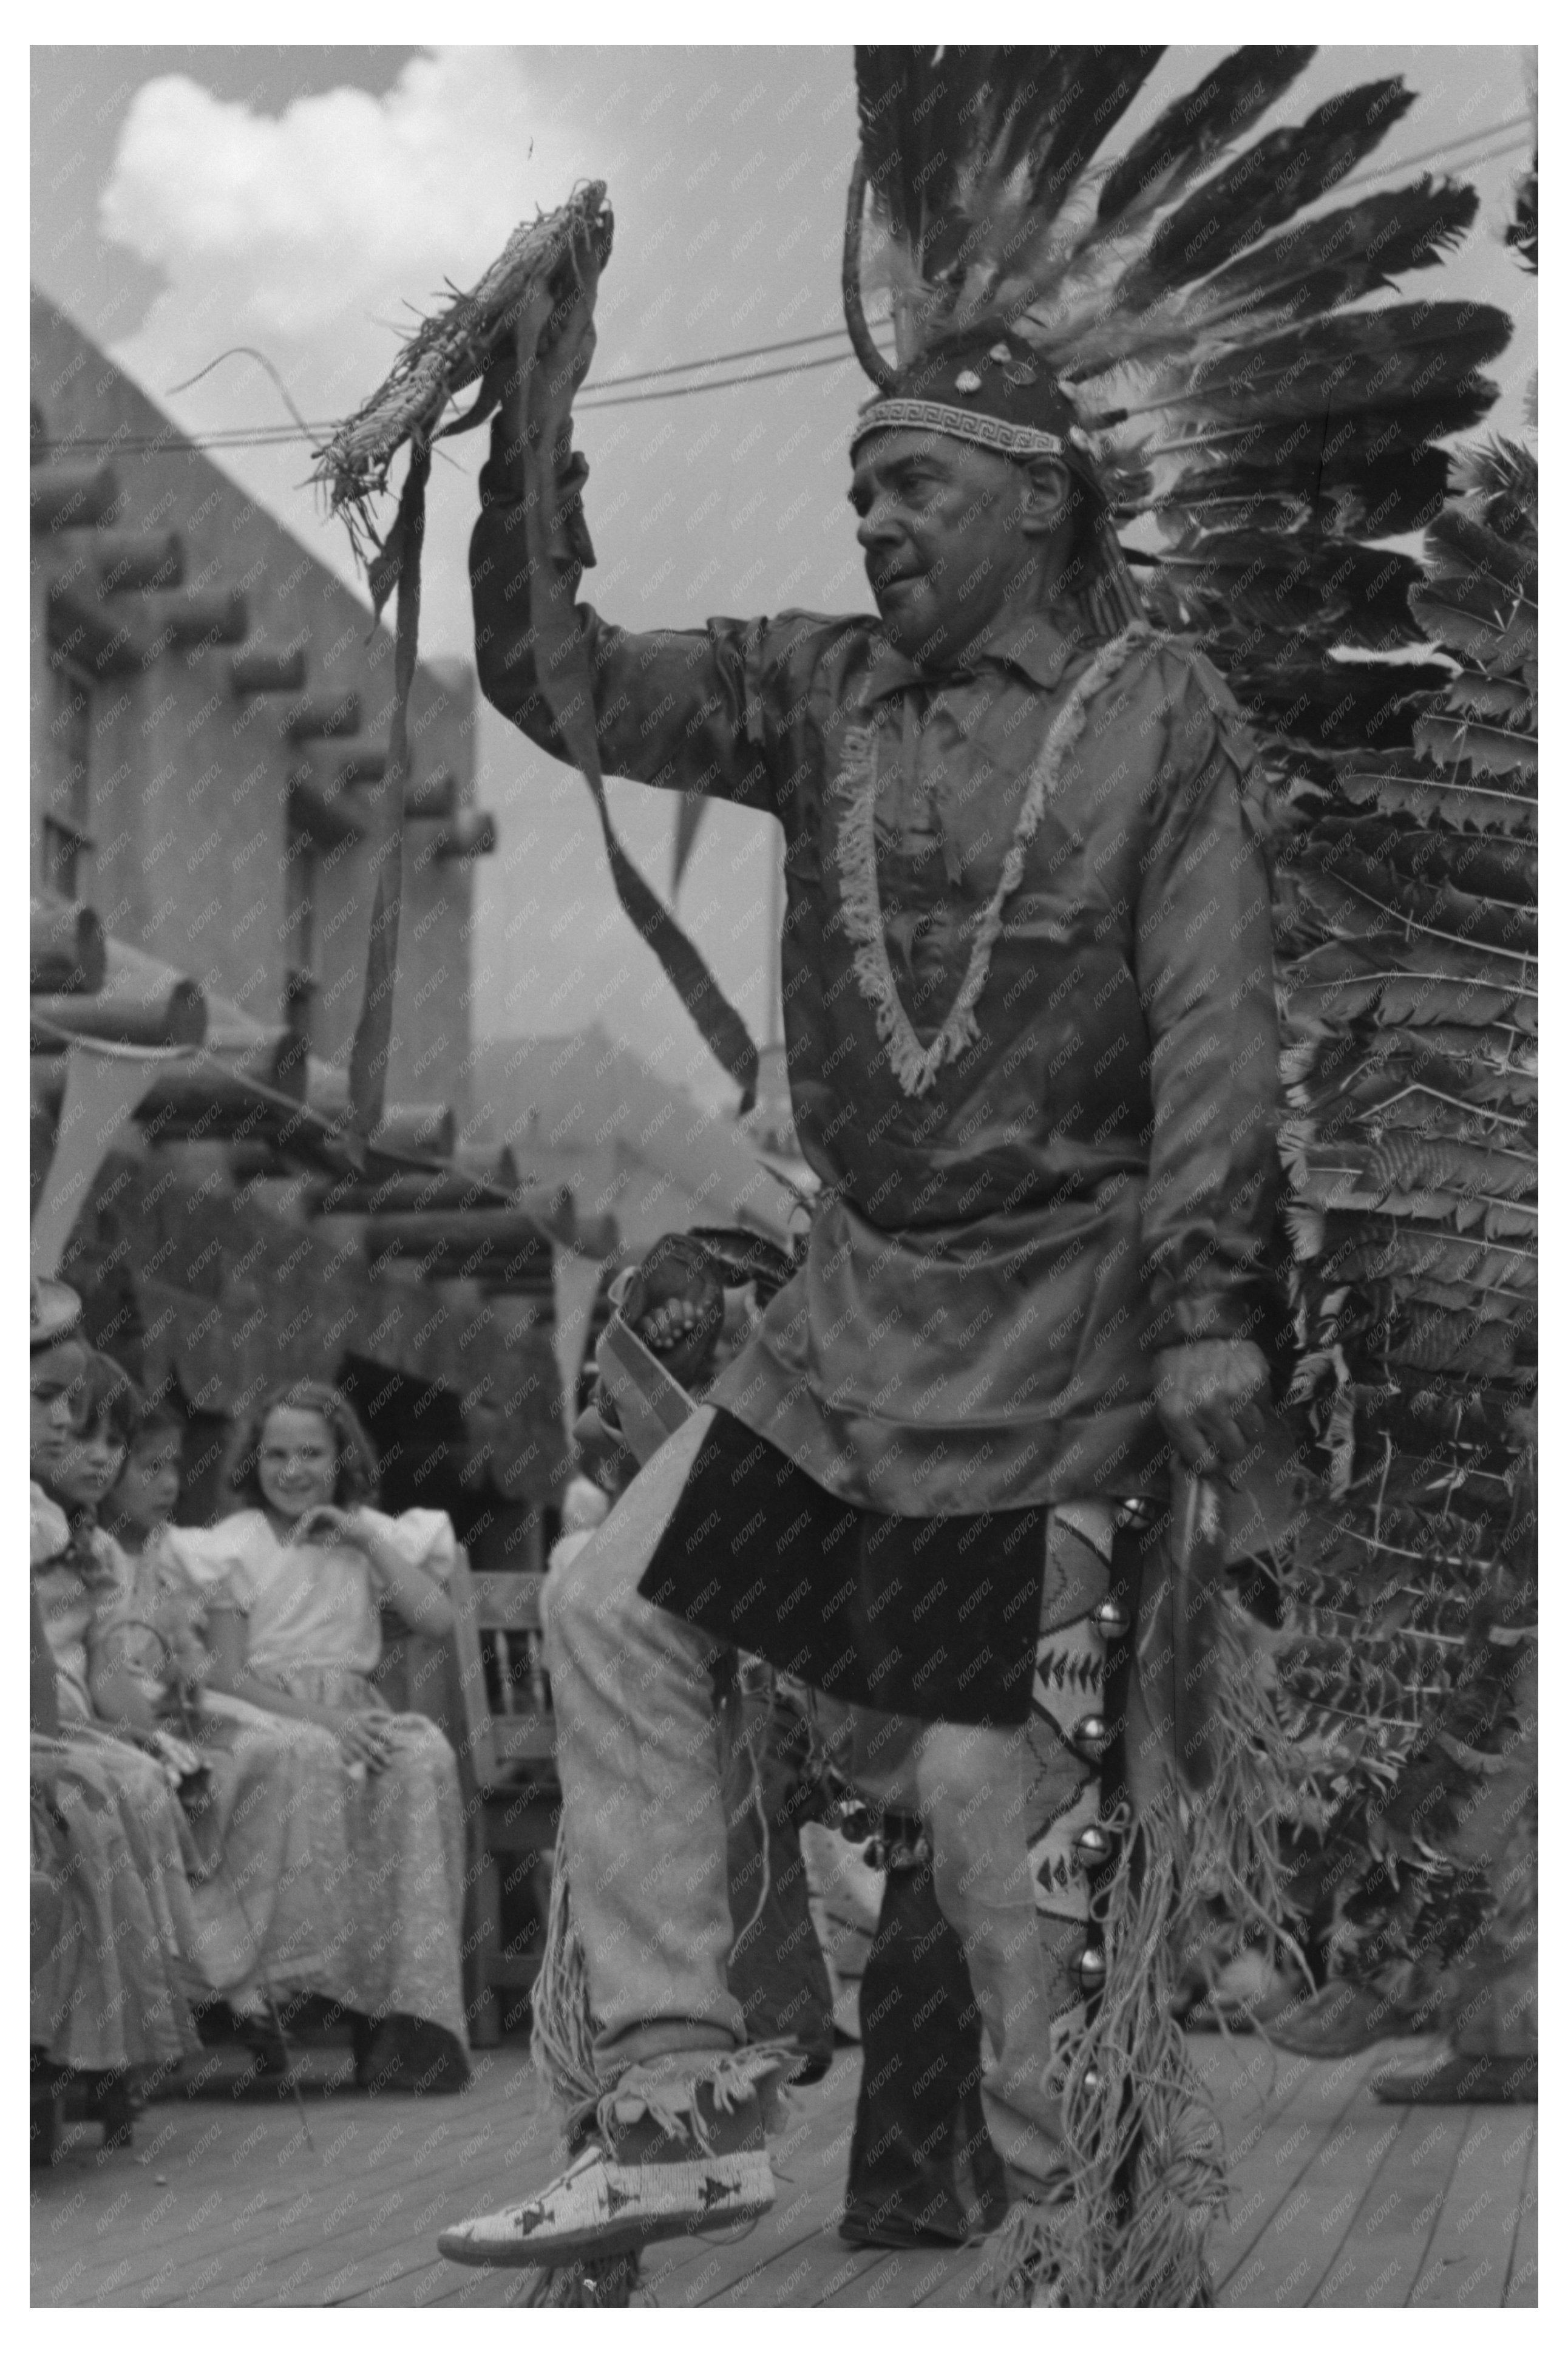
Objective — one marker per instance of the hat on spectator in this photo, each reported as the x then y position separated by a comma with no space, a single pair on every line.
55,1311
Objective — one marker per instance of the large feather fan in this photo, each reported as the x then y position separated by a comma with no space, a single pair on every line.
1262,413
1408,977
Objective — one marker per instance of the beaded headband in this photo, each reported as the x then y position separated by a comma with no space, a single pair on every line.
960,425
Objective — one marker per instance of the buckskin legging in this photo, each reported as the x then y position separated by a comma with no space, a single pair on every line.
640,1753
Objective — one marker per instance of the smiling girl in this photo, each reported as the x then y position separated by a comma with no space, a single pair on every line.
296,1581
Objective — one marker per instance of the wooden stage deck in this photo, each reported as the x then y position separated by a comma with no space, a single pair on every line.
1336,2201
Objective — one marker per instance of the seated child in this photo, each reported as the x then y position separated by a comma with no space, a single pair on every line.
295,1580
112,1970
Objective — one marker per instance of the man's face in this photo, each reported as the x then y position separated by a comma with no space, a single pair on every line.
940,523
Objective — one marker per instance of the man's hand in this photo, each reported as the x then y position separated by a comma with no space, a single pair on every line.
665,1327
554,346
1210,1395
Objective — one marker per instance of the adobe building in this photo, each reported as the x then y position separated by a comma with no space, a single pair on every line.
209,720
209,717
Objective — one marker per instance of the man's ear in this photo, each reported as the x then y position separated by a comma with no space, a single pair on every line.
1049,499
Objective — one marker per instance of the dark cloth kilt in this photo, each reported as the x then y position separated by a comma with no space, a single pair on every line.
931,1617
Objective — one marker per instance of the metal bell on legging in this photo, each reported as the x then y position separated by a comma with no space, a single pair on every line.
1090,1737
1092,1847
1112,1618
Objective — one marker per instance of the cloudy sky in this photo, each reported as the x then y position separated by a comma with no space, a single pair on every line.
306,201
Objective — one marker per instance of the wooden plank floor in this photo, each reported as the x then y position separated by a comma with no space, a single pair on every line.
1336,2200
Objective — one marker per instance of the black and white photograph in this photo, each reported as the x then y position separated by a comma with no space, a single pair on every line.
784,995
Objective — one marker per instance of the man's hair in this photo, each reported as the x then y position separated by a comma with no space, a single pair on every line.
356,1470
1078,530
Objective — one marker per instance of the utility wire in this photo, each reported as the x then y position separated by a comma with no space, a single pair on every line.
724,359
681,391
1447,147
267,437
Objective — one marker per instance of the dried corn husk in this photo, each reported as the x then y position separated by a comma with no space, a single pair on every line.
447,352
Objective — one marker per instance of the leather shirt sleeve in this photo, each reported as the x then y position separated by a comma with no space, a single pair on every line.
1204,968
682,708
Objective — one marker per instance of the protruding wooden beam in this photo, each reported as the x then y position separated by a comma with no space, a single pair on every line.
63,497
214,1103
83,631
66,953
270,1051
363,765
420,1129
250,1163
199,616
279,669
131,561
447,1192
488,1246
471,834
423,1131
318,715
326,817
214,1100
433,800
141,1003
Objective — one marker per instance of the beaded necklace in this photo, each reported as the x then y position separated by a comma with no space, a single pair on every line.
915,1066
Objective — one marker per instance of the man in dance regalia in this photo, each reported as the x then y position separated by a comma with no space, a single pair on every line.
1028,1000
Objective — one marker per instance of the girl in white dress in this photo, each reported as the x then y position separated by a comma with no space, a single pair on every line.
294,1582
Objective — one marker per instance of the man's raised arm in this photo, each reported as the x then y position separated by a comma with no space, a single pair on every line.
677,708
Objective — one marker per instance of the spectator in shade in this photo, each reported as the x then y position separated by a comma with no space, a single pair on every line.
112,1913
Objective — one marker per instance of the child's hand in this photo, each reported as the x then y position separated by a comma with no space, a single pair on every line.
187,1661
363,1739
326,1524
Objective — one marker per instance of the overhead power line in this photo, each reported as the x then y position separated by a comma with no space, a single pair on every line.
269,437
236,437
681,391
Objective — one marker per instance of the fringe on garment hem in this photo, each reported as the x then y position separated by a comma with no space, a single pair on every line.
600,2282
1125,2221
563,2050
757,2071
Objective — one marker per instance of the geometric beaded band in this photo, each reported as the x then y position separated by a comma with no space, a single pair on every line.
959,425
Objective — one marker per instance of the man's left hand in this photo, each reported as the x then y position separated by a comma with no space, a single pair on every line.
1211,1395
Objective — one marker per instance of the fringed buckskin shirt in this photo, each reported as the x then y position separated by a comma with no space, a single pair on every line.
996,1259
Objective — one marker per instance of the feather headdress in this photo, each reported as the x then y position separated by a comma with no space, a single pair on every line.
1210,348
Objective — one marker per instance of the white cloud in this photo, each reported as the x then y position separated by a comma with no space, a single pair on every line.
308,234
304,235
344,203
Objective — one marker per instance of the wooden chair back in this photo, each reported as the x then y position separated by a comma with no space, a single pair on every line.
441,1676
506,1605
511,1811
